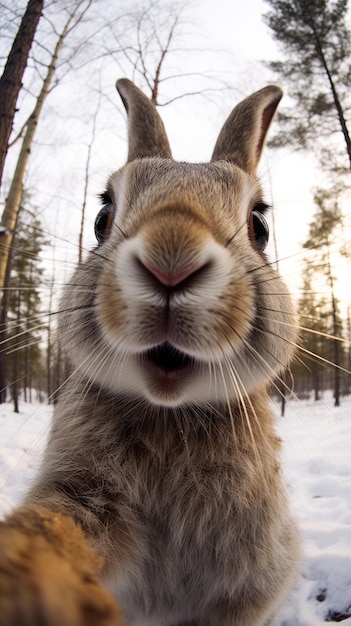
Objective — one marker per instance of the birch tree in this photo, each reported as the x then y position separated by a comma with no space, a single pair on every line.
11,79
14,196
12,204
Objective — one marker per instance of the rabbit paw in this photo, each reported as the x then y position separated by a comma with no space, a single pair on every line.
49,574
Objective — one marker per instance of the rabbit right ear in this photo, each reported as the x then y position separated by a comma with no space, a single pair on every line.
146,132
242,137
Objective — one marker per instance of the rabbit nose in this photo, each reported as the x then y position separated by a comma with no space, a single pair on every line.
170,278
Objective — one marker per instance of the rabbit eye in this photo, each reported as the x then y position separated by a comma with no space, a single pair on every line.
103,219
258,227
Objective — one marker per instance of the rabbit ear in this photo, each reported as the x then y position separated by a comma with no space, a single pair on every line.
242,137
146,133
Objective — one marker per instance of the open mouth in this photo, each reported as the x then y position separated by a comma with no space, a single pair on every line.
168,358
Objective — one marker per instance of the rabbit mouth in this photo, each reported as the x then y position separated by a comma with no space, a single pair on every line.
168,358
167,371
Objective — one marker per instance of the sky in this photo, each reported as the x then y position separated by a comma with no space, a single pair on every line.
237,25
288,176
234,39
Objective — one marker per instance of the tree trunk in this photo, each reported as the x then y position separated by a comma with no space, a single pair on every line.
4,304
281,387
336,356
26,373
12,204
15,365
13,200
86,181
3,336
49,359
348,379
316,385
48,365
336,345
283,403
11,80
336,98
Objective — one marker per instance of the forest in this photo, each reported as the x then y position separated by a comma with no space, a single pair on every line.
61,134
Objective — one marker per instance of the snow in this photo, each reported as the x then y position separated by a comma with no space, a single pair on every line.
23,438
317,464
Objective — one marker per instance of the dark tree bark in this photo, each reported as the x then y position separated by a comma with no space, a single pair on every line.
336,345
3,335
11,80
315,38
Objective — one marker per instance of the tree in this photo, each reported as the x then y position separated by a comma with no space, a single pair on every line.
13,201
145,44
326,220
316,352
150,46
11,79
23,347
12,204
316,43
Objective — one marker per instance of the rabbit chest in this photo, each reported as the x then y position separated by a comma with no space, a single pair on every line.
186,509
198,509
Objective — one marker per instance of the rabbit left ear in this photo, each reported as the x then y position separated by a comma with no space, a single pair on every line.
146,132
242,137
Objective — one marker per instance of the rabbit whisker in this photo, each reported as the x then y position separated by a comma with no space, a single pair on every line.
231,239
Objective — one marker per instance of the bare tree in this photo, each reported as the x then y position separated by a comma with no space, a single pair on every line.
86,179
145,45
12,203
153,45
11,79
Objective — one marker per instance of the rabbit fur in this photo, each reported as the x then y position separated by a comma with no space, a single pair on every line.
163,450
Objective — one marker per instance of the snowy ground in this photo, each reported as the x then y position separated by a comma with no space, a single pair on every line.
317,462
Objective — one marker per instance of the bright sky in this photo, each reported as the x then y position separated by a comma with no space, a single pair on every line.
236,25
239,28
236,30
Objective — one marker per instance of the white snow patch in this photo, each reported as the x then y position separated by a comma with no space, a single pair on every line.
317,464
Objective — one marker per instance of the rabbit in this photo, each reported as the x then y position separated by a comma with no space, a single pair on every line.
160,500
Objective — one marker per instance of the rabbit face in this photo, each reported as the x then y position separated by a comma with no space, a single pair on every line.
186,307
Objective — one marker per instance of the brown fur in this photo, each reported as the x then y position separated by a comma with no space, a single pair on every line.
167,469
49,574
